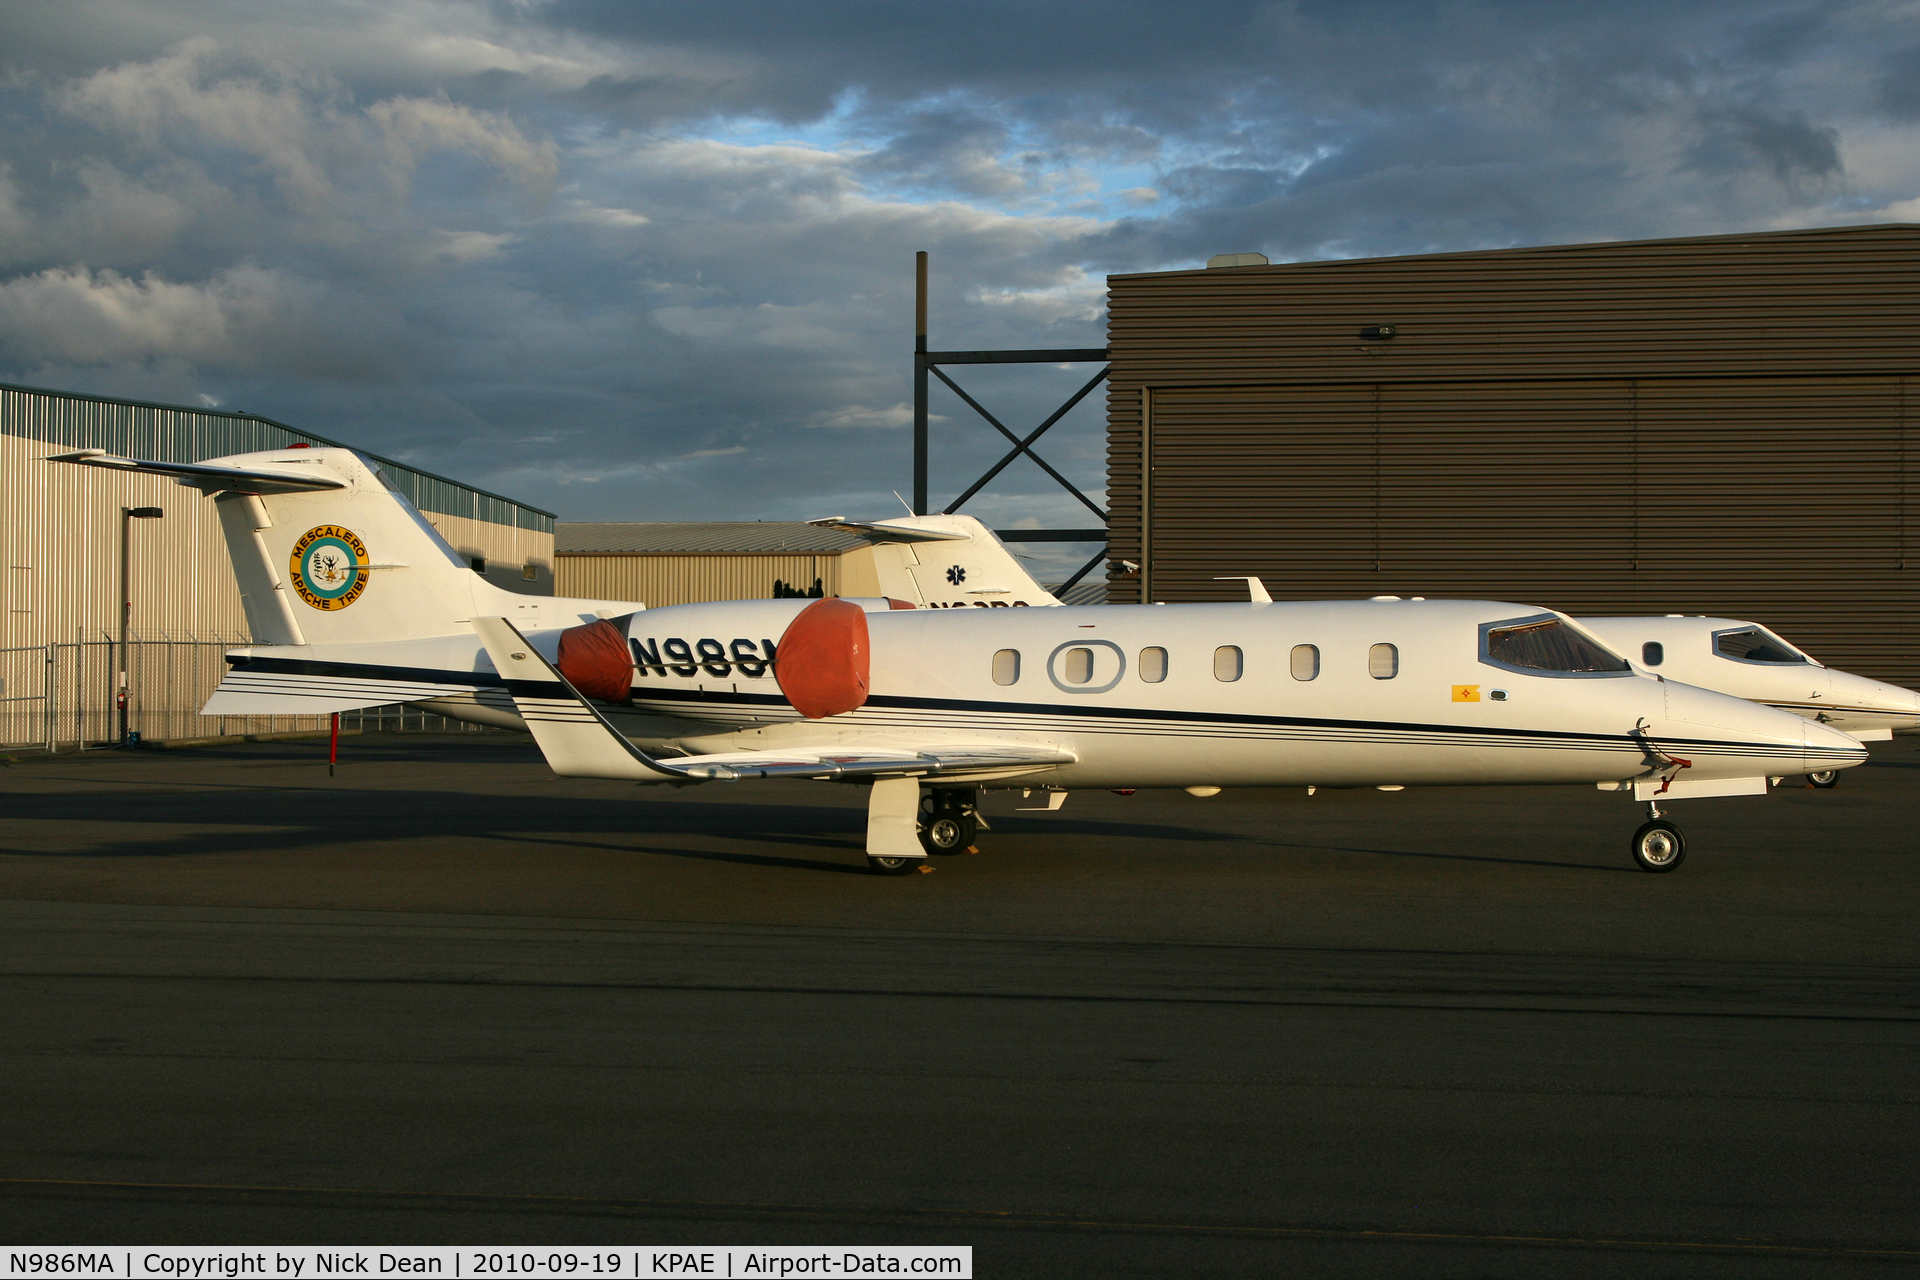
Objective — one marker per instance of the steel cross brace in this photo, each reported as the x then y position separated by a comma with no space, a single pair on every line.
1021,446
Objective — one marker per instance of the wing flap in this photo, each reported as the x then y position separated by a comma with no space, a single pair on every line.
932,761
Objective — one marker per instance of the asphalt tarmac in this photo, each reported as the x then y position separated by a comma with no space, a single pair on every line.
445,997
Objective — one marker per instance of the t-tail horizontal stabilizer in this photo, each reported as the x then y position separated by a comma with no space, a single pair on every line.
212,477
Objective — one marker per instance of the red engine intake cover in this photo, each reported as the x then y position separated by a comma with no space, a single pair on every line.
595,660
821,661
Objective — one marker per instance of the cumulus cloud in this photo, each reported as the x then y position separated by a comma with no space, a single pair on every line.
656,261
858,415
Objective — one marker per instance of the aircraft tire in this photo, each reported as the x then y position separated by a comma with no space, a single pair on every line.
893,866
948,831
1659,846
1824,778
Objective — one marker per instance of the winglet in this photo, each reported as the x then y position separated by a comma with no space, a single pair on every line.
576,739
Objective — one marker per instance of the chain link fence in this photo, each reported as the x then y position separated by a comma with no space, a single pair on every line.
67,697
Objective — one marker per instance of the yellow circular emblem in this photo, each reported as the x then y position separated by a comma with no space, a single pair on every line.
327,568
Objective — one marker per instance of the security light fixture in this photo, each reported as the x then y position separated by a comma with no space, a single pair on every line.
1376,332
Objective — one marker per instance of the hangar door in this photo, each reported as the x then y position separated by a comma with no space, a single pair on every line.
1782,500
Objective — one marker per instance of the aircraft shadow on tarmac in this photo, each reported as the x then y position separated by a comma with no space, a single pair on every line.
377,818
382,817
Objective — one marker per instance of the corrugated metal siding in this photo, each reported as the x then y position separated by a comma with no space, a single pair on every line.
60,525
175,433
1808,301
1756,462
60,555
665,580
507,549
60,540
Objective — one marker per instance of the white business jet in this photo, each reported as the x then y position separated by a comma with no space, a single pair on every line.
1748,661
354,600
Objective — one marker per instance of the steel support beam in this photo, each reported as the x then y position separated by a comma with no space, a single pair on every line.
920,383
1034,355
926,366
1051,535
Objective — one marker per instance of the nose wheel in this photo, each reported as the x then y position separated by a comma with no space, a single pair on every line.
1824,778
1659,846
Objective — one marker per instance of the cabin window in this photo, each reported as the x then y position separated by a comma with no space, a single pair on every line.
1006,666
1652,653
479,563
1077,668
1756,644
529,573
1227,662
1547,645
1153,665
1304,661
1383,661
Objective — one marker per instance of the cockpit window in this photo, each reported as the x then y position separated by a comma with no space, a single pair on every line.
1756,644
1547,645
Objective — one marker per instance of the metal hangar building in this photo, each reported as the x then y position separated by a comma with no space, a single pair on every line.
61,531
1722,425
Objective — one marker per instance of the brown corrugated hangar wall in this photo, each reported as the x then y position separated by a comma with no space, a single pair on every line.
1719,426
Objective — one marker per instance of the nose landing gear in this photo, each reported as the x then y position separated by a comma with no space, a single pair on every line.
1658,844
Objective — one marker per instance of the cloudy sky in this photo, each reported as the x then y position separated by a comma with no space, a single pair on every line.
652,259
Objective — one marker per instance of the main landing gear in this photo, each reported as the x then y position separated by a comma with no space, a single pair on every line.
949,819
1658,845
903,826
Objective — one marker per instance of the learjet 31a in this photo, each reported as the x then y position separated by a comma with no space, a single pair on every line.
354,600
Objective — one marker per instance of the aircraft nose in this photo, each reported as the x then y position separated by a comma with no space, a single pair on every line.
1823,747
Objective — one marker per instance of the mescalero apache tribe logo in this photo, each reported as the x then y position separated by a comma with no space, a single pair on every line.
326,567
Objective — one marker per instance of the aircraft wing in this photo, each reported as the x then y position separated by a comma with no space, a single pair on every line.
933,761
580,742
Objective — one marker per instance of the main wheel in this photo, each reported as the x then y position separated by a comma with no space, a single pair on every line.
948,831
893,866
1659,846
1824,778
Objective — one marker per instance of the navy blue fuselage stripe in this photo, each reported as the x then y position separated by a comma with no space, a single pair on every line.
643,697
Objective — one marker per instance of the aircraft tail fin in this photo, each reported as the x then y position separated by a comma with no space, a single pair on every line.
325,551
945,562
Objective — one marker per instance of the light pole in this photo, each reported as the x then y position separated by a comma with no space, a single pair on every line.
127,516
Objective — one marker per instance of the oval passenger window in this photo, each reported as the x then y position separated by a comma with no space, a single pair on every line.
1006,666
1153,665
1304,662
1652,653
1227,662
1383,661
1078,668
